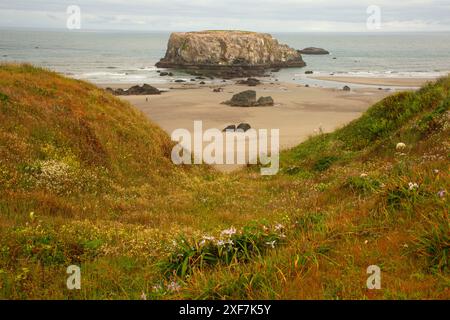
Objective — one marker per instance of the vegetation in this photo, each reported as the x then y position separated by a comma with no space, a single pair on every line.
86,179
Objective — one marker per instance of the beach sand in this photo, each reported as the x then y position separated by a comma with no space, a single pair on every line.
299,111
381,81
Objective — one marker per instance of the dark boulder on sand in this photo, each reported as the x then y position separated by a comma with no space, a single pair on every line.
265,101
229,128
248,99
346,88
145,89
243,127
243,99
313,50
251,82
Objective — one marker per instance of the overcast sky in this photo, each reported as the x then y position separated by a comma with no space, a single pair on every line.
257,15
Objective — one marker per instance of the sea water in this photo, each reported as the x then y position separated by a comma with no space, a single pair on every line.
129,57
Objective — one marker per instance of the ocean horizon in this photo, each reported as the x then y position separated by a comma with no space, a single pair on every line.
127,57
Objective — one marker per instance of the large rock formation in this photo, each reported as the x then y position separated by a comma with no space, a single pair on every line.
235,53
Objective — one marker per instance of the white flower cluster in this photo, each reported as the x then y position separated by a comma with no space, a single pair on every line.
54,175
413,186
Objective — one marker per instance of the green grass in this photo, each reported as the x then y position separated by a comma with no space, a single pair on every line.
86,179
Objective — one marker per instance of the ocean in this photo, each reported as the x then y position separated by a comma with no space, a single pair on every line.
129,57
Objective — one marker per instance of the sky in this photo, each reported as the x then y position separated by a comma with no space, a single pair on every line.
255,15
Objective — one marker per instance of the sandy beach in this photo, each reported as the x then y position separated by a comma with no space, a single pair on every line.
381,81
299,111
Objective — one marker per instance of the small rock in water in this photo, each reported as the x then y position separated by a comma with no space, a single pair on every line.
346,88
309,72
313,50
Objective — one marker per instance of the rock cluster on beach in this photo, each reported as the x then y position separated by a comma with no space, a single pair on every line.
145,89
313,50
242,127
251,82
248,99
228,54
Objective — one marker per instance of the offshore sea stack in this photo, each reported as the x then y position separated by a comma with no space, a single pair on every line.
229,54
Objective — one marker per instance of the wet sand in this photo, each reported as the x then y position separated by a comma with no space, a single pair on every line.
382,81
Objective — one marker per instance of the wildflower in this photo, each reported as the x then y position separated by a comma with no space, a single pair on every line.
436,171
143,296
363,175
366,242
32,215
228,232
202,243
220,243
173,286
157,287
278,227
413,186
441,193
208,238
271,243
400,146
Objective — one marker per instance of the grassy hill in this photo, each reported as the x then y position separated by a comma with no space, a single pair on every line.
86,179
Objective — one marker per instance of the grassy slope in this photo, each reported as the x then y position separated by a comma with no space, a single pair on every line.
98,178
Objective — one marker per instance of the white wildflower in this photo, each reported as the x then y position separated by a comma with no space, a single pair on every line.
400,146
278,227
143,296
228,232
173,286
157,287
271,243
413,186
